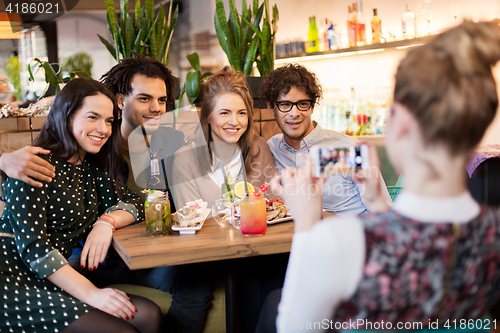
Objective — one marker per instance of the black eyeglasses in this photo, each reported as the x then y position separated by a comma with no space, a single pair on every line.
302,105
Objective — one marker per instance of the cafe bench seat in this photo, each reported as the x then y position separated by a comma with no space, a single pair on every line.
216,320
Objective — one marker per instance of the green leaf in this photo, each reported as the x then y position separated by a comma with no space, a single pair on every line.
250,57
265,36
205,75
235,31
153,44
276,17
246,31
124,7
161,22
30,70
222,31
108,45
140,35
141,19
172,21
194,60
137,9
117,46
192,85
251,26
150,9
122,42
111,12
266,5
129,34
258,16
50,74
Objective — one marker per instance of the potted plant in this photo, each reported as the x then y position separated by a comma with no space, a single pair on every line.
51,75
245,42
141,32
193,83
13,69
80,61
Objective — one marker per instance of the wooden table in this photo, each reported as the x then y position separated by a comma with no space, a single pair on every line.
211,243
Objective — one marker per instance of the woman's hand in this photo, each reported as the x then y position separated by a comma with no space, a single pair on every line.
96,246
302,194
371,181
112,301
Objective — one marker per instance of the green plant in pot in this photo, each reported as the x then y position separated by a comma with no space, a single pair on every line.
80,61
52,77
141,32
192,85
13,70
242,38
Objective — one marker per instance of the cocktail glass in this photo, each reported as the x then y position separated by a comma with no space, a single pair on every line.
252,215
157,211
222,212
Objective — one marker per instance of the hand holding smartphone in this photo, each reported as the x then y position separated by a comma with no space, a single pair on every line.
343,161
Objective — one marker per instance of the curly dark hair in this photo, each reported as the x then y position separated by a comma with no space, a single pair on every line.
282,79
118,78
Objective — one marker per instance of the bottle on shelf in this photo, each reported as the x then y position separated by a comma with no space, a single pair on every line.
323,37
349,128
409,24
369,126
360,24
333,37
312,36
376,27
351,27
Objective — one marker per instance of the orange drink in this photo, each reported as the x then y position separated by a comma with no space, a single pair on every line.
253,215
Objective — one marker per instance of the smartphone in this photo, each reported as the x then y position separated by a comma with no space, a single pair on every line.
328,160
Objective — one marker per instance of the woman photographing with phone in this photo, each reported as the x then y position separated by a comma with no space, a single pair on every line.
435,254
40,226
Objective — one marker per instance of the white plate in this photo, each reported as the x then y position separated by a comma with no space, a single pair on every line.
192,230
288,217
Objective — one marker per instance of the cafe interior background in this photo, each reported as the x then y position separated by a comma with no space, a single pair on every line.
359,77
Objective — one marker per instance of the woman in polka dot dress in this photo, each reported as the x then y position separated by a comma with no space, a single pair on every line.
40,226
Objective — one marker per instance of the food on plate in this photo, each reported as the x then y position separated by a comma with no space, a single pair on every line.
272,214
192,214
276,209
197,204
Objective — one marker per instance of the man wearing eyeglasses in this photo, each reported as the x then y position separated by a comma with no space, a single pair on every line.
291,92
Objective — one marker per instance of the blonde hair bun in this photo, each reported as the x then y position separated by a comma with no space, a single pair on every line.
473,47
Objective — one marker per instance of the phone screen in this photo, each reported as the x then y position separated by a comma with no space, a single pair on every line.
337,161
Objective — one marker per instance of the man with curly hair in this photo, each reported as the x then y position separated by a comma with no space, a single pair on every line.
291,92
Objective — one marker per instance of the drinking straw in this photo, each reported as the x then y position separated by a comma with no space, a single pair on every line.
244,172
223,169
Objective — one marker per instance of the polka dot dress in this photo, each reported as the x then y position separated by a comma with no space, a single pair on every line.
46,223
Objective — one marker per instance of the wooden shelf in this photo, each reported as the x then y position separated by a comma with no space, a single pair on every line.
360,49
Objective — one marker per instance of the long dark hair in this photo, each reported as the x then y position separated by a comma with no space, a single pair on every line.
57,136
